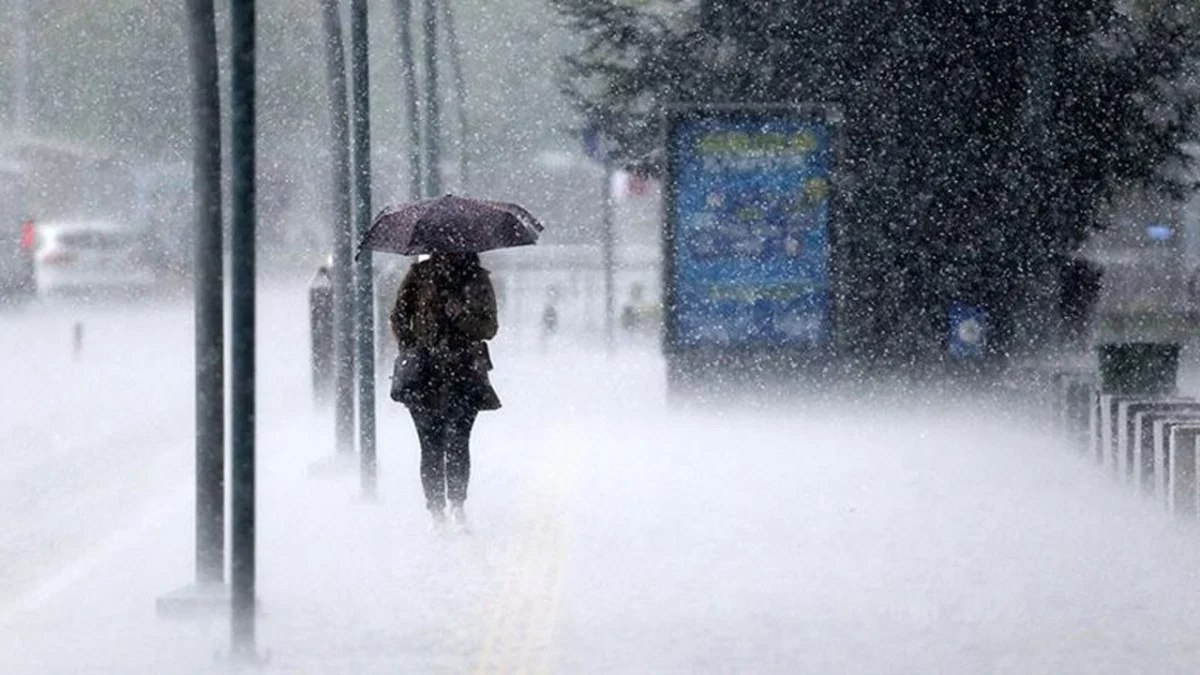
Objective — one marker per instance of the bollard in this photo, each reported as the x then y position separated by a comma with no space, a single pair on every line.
1080,409
1058,395
1093,434
1182,493
1107,432
1127,433
1074,404
1060,384
320,321
1163,460
549,320
1130,371
1148,466
77,340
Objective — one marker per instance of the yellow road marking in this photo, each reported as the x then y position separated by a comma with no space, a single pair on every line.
520,634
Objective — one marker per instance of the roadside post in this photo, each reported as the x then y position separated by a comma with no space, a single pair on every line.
320,325
77,340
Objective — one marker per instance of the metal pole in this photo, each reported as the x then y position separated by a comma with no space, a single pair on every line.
242,42
21,62
433,122
460,97
365,300
408,67
343,236
209,302
608,244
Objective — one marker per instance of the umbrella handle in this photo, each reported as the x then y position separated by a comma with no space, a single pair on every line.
362,243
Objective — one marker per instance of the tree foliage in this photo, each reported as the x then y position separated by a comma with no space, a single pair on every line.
982,140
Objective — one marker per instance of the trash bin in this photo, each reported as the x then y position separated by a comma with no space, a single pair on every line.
320,321
1139,368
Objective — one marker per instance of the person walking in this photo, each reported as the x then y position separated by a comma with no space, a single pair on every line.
446,309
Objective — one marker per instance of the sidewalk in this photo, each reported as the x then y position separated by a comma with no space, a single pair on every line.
345,585
612,534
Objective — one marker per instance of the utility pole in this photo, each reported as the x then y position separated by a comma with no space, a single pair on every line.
21,65
433,123
408,68
343,235
364,283
209,302
242,256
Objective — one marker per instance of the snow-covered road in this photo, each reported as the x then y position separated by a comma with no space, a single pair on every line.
87,436
613,533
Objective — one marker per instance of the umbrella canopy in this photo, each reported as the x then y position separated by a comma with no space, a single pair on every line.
450,224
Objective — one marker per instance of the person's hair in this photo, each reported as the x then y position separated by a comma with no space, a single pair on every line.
459,266
457,259
466,259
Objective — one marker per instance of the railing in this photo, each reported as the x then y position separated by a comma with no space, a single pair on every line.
1148,441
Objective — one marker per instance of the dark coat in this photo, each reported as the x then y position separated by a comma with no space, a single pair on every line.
449,312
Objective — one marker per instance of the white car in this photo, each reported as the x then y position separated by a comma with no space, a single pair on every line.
87,256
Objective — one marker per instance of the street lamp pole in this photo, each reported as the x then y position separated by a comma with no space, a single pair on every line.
343,235
408,67
209,302
433,122
242,268
364,282
460,98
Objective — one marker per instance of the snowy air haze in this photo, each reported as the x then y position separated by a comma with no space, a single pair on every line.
883,363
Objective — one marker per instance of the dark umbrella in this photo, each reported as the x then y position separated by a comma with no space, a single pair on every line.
451,224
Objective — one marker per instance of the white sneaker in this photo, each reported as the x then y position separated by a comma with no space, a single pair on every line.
458,519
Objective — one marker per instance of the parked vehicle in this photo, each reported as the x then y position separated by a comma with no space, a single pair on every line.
90,256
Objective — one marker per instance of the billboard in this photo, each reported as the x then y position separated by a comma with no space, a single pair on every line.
747,246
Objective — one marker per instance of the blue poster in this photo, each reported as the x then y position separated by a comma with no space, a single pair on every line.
968,331
750,231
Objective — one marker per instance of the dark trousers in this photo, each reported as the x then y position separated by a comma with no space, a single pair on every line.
445,454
